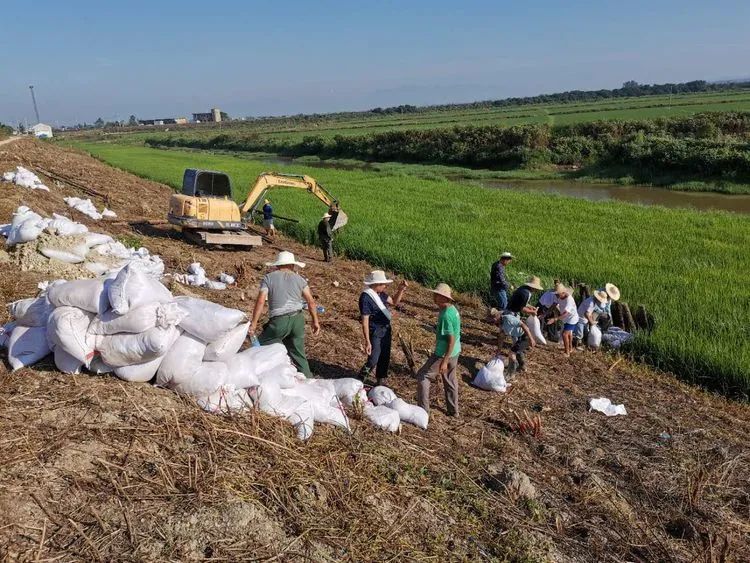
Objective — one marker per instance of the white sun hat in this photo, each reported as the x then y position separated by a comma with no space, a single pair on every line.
612,291
285,258
506,255
376,277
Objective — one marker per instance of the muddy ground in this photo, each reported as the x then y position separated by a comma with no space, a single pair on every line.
92,468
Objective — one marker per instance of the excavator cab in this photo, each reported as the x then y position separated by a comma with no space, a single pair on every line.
206,183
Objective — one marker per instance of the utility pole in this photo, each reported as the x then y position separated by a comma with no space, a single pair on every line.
33,99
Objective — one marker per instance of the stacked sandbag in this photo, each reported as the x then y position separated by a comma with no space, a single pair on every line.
196,276
26,336
25,179
386,410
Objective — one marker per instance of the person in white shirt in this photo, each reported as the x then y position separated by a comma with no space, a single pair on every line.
568,315
588,315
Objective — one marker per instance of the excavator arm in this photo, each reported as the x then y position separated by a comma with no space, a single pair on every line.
270,180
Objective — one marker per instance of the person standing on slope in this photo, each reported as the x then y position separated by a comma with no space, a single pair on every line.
444,360
286,292
499,285
568,315
376,323
268,219
325,236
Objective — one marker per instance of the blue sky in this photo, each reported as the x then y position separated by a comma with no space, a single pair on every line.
164,58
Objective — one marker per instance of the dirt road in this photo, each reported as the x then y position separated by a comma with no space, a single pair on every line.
8,140
95,468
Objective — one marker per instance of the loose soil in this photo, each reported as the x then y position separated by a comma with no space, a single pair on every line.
92,468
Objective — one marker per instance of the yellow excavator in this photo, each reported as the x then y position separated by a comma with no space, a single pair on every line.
207,213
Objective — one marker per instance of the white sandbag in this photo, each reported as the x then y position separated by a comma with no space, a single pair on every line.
97,239
260,359
85,206
240,372
411,414
67,328
139,372
347,389
162,315
491,377
381,395
226,278
5,331
227,346
62,255
181,361
204,381
66,363
27,345
535,327
25,226
322,396
133,288
63,226
595,337
98,367
89,295
213,284
108,213
31,312
207,320
382,417
227,399
97,268
285,376
118,350
296,410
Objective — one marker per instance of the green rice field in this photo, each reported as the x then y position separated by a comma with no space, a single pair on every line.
688,268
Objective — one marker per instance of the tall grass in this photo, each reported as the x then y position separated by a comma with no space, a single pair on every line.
689,268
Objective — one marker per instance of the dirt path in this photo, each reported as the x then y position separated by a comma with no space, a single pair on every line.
94,468
8,140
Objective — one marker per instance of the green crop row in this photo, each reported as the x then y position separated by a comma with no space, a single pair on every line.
688,268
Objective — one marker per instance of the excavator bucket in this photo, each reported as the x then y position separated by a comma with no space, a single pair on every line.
341,220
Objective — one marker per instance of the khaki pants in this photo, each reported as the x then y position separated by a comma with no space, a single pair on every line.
429,373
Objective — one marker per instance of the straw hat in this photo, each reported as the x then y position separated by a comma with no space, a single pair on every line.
612,291
266,201
285,258
534,283
506,255
443,289
327,215
600,296
376,277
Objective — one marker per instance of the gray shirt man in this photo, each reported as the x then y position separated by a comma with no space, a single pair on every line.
284,289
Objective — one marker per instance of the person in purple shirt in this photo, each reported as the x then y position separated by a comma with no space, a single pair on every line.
499,285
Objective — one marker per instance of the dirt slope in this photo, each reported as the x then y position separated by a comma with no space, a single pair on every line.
92,468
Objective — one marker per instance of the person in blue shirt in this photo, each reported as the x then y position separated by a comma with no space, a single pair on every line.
499,285
376,323
268,219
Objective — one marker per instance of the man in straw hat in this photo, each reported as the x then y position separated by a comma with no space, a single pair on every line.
376,323
268,218
605,309
499,285
513,326
588,315
444,361
568,315
325,235
286,292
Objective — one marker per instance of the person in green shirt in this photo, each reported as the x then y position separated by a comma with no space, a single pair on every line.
444,360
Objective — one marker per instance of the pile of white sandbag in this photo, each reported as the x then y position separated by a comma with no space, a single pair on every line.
25,179
196,276
386,410
87,207
72,243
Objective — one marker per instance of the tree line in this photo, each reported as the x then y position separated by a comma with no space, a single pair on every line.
714,145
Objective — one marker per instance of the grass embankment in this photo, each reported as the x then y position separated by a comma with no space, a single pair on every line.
688,268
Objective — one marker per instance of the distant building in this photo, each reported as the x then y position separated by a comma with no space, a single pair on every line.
42,131
213,116
164,121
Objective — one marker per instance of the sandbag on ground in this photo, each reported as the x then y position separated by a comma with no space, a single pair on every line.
203,381
208,321
67,329
34,311
296,410
285,376
381,395
66,363
411,414
227,399
5,331
491,377
349,390
89,295
595,337
227,346
322,396
27,345
162,315
382,417
119,350
139,372
133,288
181,361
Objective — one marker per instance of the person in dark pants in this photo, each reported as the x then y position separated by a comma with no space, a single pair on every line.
498,282
376,323
325,236
547,309
268,219
514,327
